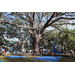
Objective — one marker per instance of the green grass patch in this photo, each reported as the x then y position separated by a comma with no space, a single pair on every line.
67,59
30,59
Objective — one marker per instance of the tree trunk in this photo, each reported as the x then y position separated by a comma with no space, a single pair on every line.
1,41
22,47
36,46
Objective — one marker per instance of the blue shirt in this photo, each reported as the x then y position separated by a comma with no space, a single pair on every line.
2,49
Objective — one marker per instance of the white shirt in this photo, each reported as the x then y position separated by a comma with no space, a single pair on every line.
71,50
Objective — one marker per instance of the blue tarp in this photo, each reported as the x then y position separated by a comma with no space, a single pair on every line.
1,61
49,58
16,56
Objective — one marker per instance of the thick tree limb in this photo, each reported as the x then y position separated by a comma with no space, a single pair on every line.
61,18
46,24
17,25
49,19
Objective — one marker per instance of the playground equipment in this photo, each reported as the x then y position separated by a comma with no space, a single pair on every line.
53,49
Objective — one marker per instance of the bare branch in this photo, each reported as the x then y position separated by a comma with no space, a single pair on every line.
49,19
22,18
17,25
29,17
56,27
46,24
62,30
41,16
33,16
59,14
25,19
61,18
66,18
64,24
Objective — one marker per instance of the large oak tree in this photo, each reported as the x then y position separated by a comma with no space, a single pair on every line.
37,22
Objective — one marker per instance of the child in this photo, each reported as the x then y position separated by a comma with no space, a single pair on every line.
71,51
3,51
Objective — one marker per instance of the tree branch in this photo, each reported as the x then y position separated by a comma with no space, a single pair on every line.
28,29
29,17
64,24
61,18
21,17
62,30
49,19
17,25
46,24
10,35
33,16
25,19
56,27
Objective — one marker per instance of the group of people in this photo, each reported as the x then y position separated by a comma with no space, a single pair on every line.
8,51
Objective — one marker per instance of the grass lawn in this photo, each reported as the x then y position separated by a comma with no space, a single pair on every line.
26,59
67,59
29,59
